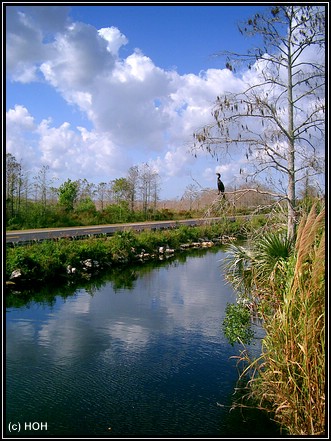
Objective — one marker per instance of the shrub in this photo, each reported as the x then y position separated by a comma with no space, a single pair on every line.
289,376
236,325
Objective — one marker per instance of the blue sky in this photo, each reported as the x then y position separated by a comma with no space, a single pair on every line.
94,90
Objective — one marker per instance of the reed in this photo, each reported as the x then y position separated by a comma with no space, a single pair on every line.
293,374
288,378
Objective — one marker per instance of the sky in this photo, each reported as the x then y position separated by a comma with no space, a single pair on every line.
94,90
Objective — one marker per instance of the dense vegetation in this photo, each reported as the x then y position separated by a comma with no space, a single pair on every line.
134,198
278,280
52,260
283,283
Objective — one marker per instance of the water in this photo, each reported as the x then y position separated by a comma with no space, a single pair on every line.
144,360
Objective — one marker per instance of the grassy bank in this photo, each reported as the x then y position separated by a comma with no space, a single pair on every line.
59,260
285,285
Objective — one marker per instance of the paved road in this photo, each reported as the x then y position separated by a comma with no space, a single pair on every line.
19,236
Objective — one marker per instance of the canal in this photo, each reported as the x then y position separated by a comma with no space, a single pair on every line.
142,355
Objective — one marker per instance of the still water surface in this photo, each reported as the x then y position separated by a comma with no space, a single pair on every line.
149,360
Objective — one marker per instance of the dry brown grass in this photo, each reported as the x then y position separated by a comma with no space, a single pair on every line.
291,369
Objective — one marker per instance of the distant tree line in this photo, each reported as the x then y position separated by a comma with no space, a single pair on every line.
37,202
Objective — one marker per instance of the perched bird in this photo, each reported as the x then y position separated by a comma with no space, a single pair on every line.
220,185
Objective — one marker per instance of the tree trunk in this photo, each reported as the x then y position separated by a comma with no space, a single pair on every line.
291,148
291,222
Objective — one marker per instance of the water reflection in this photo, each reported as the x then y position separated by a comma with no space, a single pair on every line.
149,360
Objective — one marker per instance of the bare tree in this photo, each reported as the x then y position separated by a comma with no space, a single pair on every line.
148,186
132,179
278,119
191,195
13,184
86,190
42,186
101,192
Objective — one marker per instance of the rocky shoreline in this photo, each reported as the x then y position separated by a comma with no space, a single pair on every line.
89,267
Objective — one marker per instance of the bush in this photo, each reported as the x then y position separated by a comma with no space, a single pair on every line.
236,325
287,283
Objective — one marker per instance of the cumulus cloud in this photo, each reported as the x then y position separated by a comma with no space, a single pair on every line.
80,56
80,152
19,119
20,134
115,39
138,111
28,31
69,152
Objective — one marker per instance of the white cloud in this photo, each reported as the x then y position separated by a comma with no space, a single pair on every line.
124,103
19,119
26,40
80,56
79,153
174,163
115,39
138,111
20,135
69,152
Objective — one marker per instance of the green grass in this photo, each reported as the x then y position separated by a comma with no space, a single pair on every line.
49,259
287,281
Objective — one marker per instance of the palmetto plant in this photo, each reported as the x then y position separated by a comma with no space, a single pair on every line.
259,265
270,250
256,272
238,266
289,375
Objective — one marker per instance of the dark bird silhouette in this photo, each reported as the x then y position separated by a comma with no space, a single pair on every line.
220,185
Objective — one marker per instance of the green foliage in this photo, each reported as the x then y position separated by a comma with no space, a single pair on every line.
121,189
122,245
293,369
49,259
86,205
236,325
271,253
150,240
68,193
118,213
260,263
287,283
274,246
238,268
36,262
256,223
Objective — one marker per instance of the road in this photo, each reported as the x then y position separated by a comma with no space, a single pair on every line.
26,236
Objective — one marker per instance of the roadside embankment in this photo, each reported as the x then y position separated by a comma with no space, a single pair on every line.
65,259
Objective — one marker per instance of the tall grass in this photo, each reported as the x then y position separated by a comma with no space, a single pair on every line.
289,377
293,374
